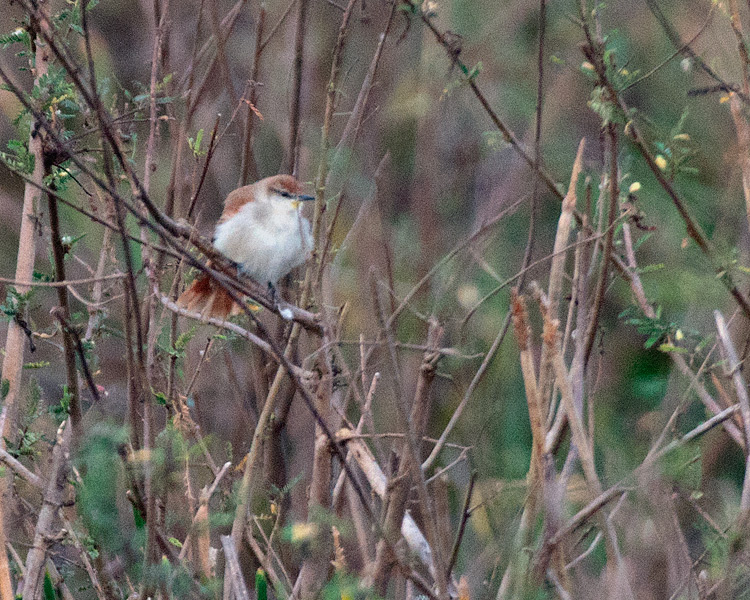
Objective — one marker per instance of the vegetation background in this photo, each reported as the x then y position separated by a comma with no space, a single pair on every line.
399,117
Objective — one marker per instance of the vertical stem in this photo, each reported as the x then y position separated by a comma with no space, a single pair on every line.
16,337
152,267
614,193
58,253
54,497
299,42
248,168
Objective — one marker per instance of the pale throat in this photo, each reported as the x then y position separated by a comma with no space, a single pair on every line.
267,238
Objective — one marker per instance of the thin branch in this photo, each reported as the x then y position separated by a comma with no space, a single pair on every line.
19,469
294,114
15,340
603,281
44,535
465,514
69,353
446,40
734,366
237,582
248,168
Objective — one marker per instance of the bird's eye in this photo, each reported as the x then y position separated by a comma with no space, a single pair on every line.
283,193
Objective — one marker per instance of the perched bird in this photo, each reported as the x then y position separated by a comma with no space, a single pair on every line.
262,230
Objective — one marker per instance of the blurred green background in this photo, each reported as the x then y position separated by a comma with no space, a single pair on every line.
447,173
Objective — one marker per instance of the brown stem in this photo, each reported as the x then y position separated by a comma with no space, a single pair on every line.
314,570
465,514
44,535
58,253
294,118
601,286
248,168
453,51
15,340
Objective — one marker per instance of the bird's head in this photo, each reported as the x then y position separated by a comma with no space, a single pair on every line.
284,188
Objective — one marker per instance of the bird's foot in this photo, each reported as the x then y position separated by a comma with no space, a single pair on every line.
279,305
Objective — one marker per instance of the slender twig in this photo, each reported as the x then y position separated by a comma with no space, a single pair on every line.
557,268
44,534
733,367
204,171
294,114
534,208
237,582
465,514
16,336
445,40
221,56
248,168
676,53
20,469
736,23
743,141
612,213
83,553
58,253
430,460
351,130
63,283
204,499
686,50
277,25
69,330
234,328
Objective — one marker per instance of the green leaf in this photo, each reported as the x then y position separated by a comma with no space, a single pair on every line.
650,268
672,348
195,143
140,522
474,71
61,411
19,36
494,141
261,584
184,338
49,588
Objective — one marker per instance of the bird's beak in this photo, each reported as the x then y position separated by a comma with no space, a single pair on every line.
301,198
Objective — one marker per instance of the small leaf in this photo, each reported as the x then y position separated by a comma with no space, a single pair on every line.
672,348
261,584
49,588
140,522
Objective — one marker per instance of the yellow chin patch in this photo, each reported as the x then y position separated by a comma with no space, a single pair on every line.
296,203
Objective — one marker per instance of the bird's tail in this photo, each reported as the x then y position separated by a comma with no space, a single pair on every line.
209,299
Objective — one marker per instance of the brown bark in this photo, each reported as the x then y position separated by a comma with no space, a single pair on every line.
16,336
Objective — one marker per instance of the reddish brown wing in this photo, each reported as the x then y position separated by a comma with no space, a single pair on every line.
236,200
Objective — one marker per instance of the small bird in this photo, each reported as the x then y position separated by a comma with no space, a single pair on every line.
262,230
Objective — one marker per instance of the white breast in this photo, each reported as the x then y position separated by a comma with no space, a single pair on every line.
266,238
